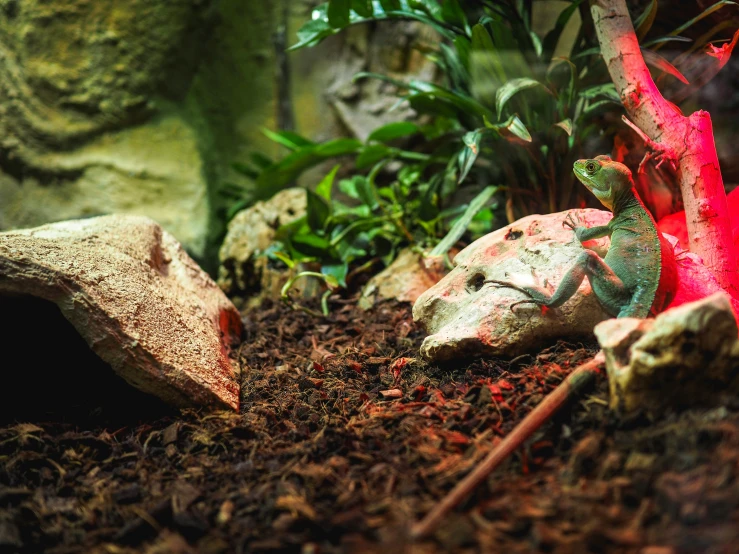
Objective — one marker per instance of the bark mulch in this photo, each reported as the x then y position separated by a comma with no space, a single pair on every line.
345,438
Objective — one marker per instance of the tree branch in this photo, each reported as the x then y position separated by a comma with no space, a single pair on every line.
688,139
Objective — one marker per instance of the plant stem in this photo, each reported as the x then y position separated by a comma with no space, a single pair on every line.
580,378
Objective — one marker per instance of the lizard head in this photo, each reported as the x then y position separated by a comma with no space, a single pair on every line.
606,179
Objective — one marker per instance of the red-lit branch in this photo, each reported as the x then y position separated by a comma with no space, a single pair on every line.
686,141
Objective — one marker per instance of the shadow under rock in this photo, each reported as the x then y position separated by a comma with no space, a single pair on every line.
49,373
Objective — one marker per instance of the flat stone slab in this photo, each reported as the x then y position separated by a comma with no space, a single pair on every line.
141,303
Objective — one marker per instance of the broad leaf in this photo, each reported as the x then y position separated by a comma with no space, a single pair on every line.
453,13
317,210
337,272
363,7
393,131
512,125
390,5
372,154
337,147
513,87
469,154
485,65
565,125
323,189
460,226
288,139
338,13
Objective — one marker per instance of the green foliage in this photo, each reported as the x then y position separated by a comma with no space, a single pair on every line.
507,117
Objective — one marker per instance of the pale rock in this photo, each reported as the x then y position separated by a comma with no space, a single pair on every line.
244,271
464,316
688,355
404,280
141,303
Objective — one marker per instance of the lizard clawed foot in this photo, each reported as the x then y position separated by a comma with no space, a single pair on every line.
572,221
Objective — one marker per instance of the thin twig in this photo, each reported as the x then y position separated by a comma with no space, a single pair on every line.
581,377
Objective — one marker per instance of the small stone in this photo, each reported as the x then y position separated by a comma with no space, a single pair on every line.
685,357
244,271
404,280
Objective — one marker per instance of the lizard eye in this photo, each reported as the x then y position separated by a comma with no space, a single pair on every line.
591,167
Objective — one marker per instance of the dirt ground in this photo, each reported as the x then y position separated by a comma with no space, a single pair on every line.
345,438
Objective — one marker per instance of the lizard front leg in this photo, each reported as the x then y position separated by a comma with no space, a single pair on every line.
607,287
582,233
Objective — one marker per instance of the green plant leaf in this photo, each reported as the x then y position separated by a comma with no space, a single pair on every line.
565,125
323,189
658,62
705,13
245,170
426,103
552,37
363,8
288,139
318,210
512,125
452,12
337,147
468,155
485,64
390,5
645,20
310,244
661,40
275,177
460,226
336,272
365,191
595,106
372,154
393,131
513,87
607,90
312,32
260,160
338,13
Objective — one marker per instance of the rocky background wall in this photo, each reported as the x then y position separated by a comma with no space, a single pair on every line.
141,107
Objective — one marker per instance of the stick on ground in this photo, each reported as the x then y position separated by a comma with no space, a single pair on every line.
580,378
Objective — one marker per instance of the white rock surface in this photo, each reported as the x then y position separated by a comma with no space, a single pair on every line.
141,303
466,317
687,355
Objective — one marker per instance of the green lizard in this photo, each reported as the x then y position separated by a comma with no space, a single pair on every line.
638,276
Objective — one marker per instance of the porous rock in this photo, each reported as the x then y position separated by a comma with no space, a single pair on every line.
141,303
465,316
688,355
243,270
